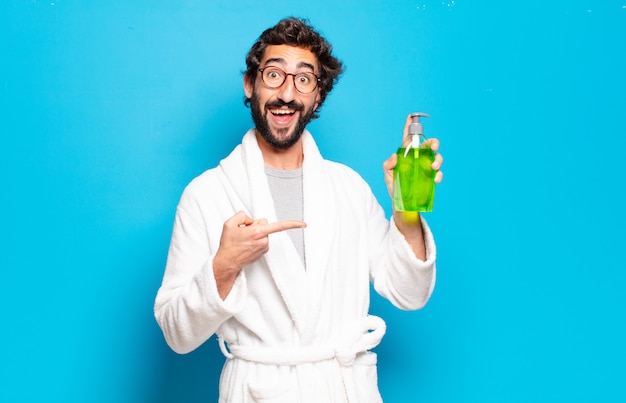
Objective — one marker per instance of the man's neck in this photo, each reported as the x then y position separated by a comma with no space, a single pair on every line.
285,160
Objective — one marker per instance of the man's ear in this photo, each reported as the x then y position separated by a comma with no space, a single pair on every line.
248,87
317,101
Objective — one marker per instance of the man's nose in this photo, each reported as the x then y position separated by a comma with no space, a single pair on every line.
287,91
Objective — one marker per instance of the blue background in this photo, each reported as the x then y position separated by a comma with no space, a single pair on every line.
108,109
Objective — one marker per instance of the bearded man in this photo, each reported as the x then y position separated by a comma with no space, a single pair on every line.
274,249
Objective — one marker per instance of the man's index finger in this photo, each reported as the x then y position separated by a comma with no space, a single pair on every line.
282,226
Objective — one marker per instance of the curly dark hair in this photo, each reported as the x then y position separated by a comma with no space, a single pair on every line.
296,32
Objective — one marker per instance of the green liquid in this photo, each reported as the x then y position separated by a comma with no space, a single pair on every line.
414,180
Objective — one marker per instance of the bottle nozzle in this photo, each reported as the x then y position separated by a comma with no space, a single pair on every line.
415,128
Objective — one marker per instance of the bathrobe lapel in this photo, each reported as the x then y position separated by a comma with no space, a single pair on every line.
299,287
321,217
245,173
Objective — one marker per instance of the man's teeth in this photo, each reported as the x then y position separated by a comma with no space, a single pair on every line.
282,112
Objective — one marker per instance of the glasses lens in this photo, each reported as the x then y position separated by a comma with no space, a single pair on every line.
273,77
305,82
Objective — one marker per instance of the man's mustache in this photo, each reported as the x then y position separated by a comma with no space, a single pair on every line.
279,104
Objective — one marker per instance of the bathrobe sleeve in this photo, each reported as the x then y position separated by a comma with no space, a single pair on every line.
396,273
188,307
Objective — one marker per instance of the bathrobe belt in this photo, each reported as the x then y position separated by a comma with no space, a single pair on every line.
363,336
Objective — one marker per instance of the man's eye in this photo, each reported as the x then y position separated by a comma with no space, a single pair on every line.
304,79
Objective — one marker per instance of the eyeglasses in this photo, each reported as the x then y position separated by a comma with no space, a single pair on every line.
275,77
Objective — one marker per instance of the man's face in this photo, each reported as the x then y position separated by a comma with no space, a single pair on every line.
281,114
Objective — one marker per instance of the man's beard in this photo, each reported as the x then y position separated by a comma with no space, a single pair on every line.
282,140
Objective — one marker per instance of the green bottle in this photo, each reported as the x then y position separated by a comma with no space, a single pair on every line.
413,177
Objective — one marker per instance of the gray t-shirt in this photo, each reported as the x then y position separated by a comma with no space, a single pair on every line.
286,189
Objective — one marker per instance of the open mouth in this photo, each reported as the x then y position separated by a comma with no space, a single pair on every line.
282,116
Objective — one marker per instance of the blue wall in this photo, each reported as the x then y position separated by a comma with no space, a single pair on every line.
108,109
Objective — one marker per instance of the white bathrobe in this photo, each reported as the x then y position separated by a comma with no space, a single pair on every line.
290,333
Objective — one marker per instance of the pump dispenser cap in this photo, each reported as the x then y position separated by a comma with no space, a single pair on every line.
415,128
415,131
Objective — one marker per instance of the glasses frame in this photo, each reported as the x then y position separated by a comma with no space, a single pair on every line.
317,79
